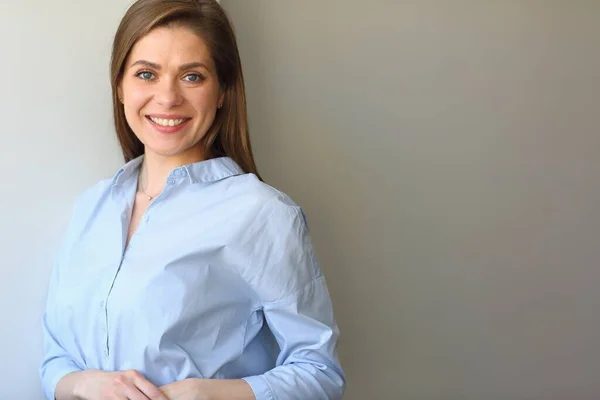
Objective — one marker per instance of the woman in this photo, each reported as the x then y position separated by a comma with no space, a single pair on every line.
184,276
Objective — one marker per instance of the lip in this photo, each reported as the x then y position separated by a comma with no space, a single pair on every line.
167,116
168,129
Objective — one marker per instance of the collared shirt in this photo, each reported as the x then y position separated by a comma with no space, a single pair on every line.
220,280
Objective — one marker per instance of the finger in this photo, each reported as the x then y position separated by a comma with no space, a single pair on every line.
122,389
118,394
126,388
133,393
148,389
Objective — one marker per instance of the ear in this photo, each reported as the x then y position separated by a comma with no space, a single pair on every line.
221,99
120,93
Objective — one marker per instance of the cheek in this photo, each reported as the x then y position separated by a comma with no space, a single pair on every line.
135,100
138,97
134,94
201,105
204,99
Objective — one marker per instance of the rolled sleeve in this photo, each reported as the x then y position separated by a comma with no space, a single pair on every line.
53,371
297,308
261,388
307,366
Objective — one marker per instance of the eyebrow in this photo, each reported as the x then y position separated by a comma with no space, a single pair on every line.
181,68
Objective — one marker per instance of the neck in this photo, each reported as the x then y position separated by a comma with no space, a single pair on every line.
156,168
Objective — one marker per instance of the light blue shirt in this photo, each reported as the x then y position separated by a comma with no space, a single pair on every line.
220,280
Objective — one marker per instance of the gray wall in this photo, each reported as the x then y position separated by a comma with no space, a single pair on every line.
57,138
446,153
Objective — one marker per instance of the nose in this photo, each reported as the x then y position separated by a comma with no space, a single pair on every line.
167,94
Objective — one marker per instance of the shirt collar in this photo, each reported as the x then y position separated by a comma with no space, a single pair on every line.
199,172
211,170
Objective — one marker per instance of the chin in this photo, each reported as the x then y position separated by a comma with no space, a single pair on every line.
165,152
169,152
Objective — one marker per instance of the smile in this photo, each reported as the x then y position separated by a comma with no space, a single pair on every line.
167,122
168,125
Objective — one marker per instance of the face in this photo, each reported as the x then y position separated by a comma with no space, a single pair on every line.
170,92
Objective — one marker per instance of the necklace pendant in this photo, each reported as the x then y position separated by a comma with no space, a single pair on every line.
149,198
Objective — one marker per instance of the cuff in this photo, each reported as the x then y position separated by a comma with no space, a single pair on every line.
261,388
54,375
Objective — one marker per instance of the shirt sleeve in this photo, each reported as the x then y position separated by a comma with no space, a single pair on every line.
300,316
56,362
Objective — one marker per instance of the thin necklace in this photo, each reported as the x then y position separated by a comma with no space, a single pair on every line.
141,186
146,194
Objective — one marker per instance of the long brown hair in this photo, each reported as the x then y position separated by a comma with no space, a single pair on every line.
228,135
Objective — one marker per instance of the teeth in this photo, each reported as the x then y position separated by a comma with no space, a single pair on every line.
167,122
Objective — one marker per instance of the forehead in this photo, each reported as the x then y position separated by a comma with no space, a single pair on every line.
171,46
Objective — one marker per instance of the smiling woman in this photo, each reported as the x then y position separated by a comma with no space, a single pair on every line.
178,91
184,276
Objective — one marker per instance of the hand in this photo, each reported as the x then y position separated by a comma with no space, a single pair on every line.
187,389
119,385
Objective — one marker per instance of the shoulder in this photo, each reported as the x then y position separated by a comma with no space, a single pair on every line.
83,209
278,243
87,203
92,195
265,199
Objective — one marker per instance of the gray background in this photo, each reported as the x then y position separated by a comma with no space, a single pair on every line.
56,139
445,152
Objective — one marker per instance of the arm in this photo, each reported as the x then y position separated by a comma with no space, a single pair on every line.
307,367
57,363
298,310
208,389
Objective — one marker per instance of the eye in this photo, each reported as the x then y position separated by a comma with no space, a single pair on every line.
195,78
145,75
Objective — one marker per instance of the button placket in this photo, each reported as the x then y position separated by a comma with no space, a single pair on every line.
104,303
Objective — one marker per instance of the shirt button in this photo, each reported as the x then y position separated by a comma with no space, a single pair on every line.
102,303
146,218
177,173
171,181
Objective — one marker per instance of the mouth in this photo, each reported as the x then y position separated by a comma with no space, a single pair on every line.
170,124
167,121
